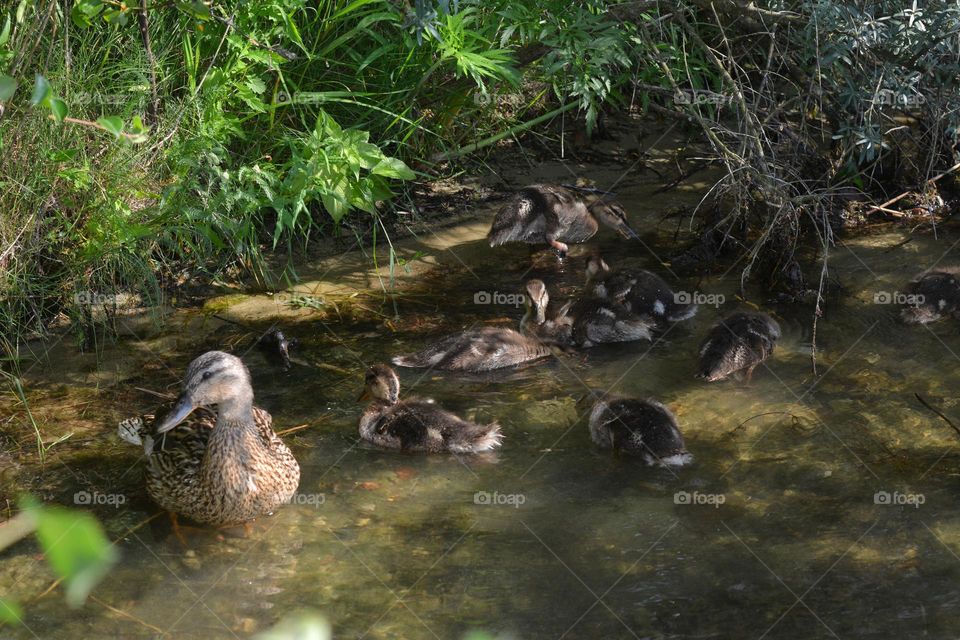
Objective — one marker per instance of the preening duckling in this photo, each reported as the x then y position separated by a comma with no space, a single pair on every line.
586,322
640,292
737,343
935,294
417,425
644,428
481,349
547,214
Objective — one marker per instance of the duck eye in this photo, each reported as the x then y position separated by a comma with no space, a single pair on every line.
206,375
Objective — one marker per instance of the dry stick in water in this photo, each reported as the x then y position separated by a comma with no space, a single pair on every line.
938,412
903,195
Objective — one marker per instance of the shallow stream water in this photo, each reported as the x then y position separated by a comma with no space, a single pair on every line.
818,506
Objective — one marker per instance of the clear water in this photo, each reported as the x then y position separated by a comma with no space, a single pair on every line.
576,543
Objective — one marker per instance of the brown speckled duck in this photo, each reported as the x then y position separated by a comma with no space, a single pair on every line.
641,292
934,295
417,425
645,428
585,322
218,468
737,344
547,214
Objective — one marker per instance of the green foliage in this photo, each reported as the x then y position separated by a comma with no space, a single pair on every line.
277,120
73,544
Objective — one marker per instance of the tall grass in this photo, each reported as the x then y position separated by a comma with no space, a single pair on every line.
275,122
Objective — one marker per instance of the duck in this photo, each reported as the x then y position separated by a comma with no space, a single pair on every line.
644,428
737,344
415,424
555,215
219,468
640,292
932,295
585,322
482,349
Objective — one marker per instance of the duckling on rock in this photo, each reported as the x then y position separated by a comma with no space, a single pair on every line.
417,425
935,294
220,468
644,428
547,214
641,292
585,322
738,343
481,349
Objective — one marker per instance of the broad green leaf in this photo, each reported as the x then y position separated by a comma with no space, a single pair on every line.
41,89
113,124
115,16
59,108
5,34
8,86
10,611
84,11
195,9
75,547
298,626
393,168
256,84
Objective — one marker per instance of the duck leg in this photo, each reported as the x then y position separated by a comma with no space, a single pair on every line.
559,246
177,531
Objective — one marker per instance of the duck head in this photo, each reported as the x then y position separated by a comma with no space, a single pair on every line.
381,383
612,214
537,299
596,268
213,378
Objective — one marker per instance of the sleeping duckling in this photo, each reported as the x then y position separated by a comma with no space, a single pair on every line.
483,349
737,343
547,214
417,425
586,322
220,468
644,428
641,292
935,294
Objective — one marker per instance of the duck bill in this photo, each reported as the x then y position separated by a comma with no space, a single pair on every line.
178,414
364,396
627,232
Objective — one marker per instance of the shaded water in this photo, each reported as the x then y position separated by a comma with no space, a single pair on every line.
549,537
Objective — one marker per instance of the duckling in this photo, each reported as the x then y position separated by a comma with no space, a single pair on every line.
417,425
555,215
641,292
277,347
221,468
935,294
645,428
585,322
483,349
737,343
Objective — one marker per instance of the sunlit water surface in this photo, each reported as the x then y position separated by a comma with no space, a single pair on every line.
549,537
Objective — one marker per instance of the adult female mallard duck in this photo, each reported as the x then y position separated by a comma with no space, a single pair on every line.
737,343
585,322
546,214
417,425
933,295
643,428
640,292
481,349
220,468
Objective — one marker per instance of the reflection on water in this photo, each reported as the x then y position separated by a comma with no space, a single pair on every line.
775,529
